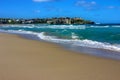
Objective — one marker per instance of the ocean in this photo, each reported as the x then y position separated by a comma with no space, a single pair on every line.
97,40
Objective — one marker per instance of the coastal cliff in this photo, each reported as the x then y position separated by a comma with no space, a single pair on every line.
61,20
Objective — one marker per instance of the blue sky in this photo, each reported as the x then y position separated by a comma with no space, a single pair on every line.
102,11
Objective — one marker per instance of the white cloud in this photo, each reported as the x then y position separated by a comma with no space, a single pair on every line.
86,4
93,3
42,0
45,0
113,7
37,11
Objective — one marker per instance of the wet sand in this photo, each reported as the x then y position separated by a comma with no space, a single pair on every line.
23,59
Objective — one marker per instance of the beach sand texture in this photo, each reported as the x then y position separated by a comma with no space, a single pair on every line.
22,59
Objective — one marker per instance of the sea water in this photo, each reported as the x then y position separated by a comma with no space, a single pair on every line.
98,40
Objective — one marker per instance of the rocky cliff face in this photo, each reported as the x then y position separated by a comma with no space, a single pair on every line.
62,20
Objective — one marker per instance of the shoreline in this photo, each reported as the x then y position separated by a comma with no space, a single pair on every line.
96,52
109,53
24,59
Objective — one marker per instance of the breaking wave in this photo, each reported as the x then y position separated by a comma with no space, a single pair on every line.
73,42
77,42
59,26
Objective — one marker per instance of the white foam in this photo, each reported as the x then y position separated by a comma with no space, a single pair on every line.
20,31
59,26
116,26
84,43
63,26
93,26
74,36
20,26
73,42
48,26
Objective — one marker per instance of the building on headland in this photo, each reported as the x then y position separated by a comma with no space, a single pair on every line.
61,20
9,21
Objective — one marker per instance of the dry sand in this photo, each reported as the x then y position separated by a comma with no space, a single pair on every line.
22,59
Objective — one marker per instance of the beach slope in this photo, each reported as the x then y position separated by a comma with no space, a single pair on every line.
22,59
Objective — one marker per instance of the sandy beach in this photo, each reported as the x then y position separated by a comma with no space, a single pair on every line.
23,59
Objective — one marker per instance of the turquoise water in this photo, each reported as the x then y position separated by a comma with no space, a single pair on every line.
105,37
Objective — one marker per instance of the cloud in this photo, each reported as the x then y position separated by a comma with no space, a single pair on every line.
44,0
37,11
89,5
52,8
92,5
113,7
41,0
